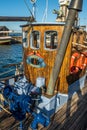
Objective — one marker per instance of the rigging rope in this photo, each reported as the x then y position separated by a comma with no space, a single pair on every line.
45,12
28,8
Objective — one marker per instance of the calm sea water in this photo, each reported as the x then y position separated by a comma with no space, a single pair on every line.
9,54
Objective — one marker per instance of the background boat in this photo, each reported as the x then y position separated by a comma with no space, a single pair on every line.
5,40
4,35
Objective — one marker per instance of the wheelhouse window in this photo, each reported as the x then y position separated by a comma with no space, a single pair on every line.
51,40
35,39
24,40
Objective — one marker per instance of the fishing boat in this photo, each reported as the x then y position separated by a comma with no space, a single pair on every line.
53,87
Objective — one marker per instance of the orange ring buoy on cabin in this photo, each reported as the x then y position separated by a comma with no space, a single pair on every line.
73,67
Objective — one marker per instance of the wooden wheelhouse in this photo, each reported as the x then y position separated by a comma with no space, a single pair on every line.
40,45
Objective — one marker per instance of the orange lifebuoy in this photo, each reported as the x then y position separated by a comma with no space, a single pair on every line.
73,67
81,62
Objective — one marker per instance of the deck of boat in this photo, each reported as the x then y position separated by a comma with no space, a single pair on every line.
71,116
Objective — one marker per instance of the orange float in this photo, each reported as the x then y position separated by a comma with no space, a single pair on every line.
78,62
73,67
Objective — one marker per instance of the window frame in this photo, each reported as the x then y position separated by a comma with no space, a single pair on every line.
50,49
31,43
25,39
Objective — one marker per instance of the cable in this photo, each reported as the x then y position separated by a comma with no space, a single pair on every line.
28,8
45,12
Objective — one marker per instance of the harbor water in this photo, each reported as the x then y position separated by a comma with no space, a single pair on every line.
9,54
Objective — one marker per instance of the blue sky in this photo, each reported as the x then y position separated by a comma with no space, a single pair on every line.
18,8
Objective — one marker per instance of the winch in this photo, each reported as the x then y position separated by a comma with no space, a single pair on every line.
20,104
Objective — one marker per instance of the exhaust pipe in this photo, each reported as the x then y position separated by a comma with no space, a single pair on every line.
75,6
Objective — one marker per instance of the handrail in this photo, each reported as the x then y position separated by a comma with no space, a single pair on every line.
7,72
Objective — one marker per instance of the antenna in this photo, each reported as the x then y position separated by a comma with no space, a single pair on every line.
34,7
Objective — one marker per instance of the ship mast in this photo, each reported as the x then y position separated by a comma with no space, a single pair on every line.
75,6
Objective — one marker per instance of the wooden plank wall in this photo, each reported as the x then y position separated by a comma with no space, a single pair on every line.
49,56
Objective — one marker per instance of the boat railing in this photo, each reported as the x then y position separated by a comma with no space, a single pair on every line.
17,73
6,72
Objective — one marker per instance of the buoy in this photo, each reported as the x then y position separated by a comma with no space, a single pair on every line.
73,67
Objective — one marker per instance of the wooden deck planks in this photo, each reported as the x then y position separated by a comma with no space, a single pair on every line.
73,115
